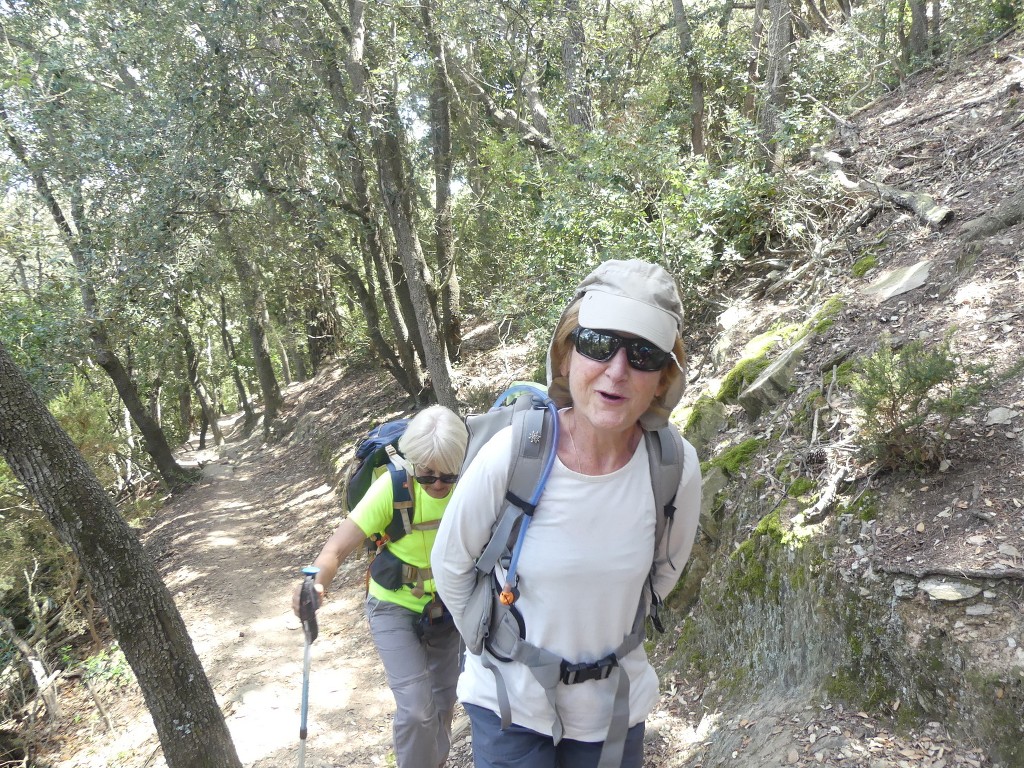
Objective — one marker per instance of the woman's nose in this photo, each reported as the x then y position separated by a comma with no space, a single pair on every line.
619,365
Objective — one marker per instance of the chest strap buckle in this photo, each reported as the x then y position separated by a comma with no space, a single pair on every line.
580,673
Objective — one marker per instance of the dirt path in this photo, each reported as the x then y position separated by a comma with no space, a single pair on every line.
230,551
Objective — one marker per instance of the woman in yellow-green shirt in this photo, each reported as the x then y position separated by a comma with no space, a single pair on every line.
415,637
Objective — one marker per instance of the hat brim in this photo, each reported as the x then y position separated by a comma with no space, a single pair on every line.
609,312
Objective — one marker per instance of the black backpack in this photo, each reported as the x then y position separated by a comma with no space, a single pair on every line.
377,452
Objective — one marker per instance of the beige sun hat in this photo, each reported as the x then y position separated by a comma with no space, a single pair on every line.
636,297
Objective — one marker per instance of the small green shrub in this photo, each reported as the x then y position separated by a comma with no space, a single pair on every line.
82,413
480,397
109,666
910,398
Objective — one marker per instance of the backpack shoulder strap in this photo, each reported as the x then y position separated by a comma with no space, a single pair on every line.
665,455
401,502
532,441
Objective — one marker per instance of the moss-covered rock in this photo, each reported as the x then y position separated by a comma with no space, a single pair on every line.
702,421
774,383
731,459
864,265
740,376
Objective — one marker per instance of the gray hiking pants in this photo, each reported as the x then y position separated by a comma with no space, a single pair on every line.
422,673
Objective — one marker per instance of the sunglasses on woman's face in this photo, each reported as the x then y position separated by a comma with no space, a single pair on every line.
431,479
602,346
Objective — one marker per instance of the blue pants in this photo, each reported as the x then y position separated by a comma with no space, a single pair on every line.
422,673
518,747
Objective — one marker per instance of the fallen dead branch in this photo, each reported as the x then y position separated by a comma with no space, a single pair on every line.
924,569
921,204
824,505
1004,216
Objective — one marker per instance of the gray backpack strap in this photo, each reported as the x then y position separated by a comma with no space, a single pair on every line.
665,455
530,432
532,444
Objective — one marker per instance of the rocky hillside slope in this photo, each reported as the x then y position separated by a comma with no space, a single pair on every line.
827,579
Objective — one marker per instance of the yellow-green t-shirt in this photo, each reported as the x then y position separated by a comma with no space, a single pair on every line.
374,513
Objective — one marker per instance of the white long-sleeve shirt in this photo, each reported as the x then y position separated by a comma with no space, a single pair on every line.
582,567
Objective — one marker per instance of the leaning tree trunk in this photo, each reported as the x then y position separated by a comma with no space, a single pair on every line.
138,605
395,187
394,184
154,440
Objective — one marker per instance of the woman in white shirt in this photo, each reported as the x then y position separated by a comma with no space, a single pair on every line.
615,371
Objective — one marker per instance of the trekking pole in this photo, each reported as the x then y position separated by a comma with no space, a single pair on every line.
307,614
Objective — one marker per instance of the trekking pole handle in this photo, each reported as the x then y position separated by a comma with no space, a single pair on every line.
309,601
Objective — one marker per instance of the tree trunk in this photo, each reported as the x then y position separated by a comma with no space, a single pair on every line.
154,440
379,259
138,605
236,375
574,69
917,42
776,79
530,86
45,683
441,145
192,366
154,401
321,318
726,16
818,20
258,319
395,187
693,73
188,419
283,355
403,366
373,243
398,202
936,28
753,61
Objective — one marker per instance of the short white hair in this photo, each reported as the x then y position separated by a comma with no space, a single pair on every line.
436,438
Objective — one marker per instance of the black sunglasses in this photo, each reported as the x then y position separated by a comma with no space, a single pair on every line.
602,346
431,479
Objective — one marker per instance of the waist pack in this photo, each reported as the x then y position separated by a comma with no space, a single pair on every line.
492,622
435,620
391,572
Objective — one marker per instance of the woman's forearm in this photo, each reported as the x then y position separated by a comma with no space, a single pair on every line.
346,537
